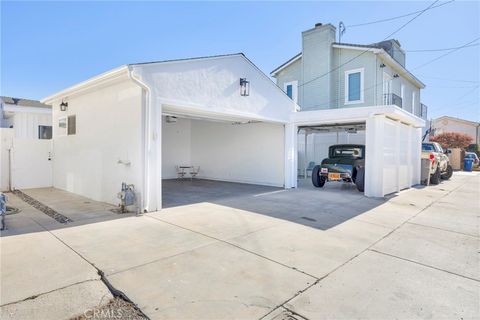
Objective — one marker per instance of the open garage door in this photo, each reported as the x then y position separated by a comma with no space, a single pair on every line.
392,139
314,142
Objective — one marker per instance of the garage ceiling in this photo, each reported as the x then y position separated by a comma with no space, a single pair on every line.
337,127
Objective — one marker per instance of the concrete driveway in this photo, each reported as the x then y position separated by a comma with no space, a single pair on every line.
271,254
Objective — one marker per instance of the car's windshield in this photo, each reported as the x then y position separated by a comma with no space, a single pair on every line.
347,152
428,147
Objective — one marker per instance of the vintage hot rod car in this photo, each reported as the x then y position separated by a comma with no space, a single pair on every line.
345,162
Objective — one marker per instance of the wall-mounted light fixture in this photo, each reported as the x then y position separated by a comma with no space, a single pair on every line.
396,75
244,87
382,65
63,106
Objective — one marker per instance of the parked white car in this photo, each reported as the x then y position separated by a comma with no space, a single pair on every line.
441,168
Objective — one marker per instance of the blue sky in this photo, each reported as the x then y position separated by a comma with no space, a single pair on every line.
47,46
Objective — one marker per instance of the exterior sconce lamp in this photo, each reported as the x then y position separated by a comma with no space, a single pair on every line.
396,75
244,87
382,65
63,106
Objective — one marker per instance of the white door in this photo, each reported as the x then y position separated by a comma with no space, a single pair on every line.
31,163
387,89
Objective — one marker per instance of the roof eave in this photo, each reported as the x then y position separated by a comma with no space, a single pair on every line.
92,82
286,64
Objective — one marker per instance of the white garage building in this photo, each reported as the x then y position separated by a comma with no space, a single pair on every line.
136,123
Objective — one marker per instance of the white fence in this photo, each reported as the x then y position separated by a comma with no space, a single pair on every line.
24,163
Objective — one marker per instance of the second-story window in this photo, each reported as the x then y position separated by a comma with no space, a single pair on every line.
291,89
354,86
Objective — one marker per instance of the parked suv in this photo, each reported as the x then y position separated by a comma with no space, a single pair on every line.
440,168
345,162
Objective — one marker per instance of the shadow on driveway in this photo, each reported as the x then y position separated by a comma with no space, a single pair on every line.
318,208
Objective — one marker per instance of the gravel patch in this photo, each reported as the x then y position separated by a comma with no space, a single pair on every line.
41,207
116,309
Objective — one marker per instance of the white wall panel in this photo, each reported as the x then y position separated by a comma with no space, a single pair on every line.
6,143
249,153
176,146
26,124
390,150
31,165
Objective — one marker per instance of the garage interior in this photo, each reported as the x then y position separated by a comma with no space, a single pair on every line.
227,156
313,143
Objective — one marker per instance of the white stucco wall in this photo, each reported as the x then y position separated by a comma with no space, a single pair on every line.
176,146
248,153
108,129
212,86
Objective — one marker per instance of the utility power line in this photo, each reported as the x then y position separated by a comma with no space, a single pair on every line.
446,54
363,52
453,80
474,87
395,18
444,49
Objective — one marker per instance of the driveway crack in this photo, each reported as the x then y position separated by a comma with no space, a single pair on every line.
114,291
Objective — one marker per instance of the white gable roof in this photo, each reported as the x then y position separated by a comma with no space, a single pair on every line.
206,84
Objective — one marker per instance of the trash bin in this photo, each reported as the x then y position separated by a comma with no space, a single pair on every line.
425,173
467,164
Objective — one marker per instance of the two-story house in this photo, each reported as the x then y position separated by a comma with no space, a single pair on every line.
331,75
348,93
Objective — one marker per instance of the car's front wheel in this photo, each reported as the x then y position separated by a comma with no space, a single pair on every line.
317,179
435,178
360,179
448,173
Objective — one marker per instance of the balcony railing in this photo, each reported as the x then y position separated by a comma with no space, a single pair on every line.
392,98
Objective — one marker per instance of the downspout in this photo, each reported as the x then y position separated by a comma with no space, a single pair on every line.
145,137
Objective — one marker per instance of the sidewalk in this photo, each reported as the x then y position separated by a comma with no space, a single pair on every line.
414,256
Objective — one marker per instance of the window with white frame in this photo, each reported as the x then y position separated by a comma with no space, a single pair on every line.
291,89
354,86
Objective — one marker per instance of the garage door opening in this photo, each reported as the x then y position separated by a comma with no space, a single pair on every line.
314,143
207,159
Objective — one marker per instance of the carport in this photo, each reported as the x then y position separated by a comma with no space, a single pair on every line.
392,139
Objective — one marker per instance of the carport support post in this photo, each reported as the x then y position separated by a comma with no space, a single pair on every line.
291,162
305,159
374,149
416,149
154,156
